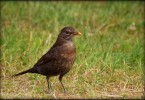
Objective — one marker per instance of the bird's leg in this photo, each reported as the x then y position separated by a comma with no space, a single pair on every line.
49,90
60,79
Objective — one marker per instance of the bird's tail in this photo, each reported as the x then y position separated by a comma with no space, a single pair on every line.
31,70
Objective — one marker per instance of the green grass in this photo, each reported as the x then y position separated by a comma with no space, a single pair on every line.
109,61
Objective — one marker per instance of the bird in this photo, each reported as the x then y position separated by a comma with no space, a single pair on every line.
59,59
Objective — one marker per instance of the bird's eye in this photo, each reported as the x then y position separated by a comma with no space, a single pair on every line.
67,32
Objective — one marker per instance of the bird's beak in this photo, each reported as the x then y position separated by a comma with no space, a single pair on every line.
78,33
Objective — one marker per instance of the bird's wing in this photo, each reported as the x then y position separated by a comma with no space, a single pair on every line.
52,54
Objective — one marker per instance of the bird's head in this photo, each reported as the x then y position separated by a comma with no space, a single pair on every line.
67,33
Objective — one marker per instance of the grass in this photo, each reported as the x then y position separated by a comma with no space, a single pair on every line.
109,61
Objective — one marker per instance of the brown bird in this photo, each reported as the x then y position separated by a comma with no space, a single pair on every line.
59,59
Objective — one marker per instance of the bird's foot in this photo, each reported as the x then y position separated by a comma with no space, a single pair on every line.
49,91
65,92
